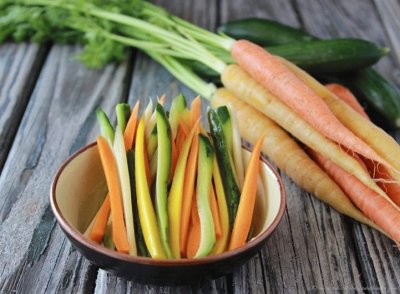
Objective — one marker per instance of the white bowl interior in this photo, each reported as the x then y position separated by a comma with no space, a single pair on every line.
81,189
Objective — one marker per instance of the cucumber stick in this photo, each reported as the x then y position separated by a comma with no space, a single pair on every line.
123,111
141,245
123,171
204,172
231,188
106,129
163,168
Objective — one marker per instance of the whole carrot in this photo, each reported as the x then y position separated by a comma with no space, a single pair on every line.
246,89
373,205
275,76
386,182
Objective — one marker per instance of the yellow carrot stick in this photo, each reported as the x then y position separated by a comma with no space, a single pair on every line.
147,216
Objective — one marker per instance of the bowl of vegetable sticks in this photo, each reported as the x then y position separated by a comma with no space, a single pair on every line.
159,200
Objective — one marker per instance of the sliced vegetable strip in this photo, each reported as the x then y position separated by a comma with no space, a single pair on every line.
222,242
188,190
113,184
98,229
175,196
147,215
204,172
244,215
122,166
194,232
215,213
130,130
163,169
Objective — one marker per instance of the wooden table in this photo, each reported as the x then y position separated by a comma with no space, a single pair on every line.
47,103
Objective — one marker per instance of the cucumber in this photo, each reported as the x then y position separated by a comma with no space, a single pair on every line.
164,150
264,31
226,123
204,175
106,129
229,182
123,111
378,92
330,56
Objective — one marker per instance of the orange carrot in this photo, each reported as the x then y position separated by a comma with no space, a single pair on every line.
194,233
374,206
275,76
99,226
388,185
215,213
244,215
195,111
130,130
114,189
348,97
188,188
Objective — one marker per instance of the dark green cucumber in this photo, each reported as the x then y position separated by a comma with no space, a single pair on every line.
204,172
106,129
231,187
123,111
378,92
264,31
140,243
164,151
226,123
330,56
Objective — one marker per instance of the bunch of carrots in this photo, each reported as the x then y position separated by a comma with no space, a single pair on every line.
269,96
168,196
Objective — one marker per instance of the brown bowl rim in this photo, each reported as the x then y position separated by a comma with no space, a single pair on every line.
78,237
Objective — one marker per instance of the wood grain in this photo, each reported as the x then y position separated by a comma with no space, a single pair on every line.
20,65
34,253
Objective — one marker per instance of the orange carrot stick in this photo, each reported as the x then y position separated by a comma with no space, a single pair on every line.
130,130
215,213
388,185
244,215
114,189
188,188
374,206
181,136
275,76
100,223
194,233
195,111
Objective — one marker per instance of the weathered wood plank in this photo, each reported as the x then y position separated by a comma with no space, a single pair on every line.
306,253
19,68
34,253
378,256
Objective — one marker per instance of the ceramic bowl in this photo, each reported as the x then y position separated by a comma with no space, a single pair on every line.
78,190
